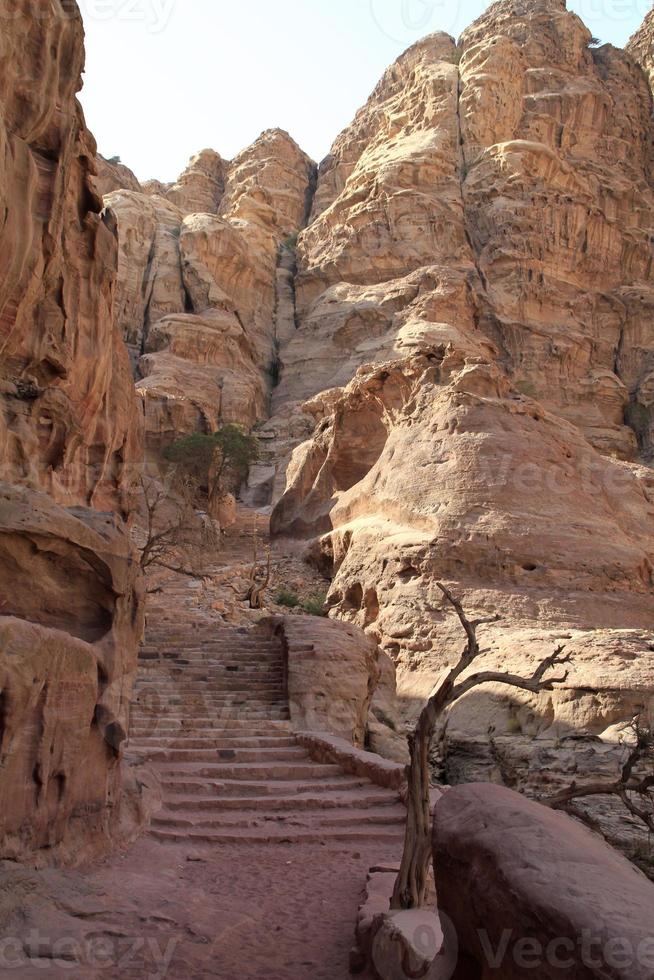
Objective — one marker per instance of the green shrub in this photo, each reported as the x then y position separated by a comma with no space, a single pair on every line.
219,461
287,598
315,604
292,240
514,726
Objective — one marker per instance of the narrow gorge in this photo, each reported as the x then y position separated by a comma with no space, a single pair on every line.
441,341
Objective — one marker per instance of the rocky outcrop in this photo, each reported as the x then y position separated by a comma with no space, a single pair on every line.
529,890
112,175
475,352
149,283
641,46
201,187
71,609
206,284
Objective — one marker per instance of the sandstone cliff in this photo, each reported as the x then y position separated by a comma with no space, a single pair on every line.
203,295
71,602
476,351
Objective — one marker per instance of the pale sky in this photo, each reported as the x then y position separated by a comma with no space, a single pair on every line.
166,78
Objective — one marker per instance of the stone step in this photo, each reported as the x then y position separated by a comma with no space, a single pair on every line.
228,726
319,799
219,652
167,687
239,713
251,772
181,696
201,646
153,728
389,816
282,835
237,742
220,671
192,785
237,756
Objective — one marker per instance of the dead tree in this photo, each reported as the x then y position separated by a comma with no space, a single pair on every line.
411,885
635,791
258,585
171,527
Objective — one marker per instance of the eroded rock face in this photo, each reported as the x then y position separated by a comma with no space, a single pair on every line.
112,175
205,284
70,443
475,348
201,187
507,869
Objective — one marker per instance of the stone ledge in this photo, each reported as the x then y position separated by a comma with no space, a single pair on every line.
323,747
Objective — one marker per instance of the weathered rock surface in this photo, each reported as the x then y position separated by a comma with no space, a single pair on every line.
332,674
205,284
202,185
71,604
530,890
112,175
149,284
475,348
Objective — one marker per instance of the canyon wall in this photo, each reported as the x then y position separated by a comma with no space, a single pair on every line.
203,296
71,603
475,354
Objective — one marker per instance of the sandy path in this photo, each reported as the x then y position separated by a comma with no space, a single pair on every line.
169,912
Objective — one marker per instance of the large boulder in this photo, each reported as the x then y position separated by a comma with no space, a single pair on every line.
531,892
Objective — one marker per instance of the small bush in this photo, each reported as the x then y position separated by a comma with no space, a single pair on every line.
287,598
292,240
594,42
315,604
114,161
514,727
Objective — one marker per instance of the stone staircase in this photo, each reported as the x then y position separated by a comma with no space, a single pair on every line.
211,716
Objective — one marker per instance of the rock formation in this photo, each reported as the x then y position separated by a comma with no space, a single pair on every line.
549,897
475,353
70,439
112,175
203,287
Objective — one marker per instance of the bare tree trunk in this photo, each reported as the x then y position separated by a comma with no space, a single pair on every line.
411,885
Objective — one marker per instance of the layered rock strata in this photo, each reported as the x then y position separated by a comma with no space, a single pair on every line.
205,286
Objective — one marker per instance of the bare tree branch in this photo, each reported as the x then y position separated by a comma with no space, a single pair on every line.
628,787
411,885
